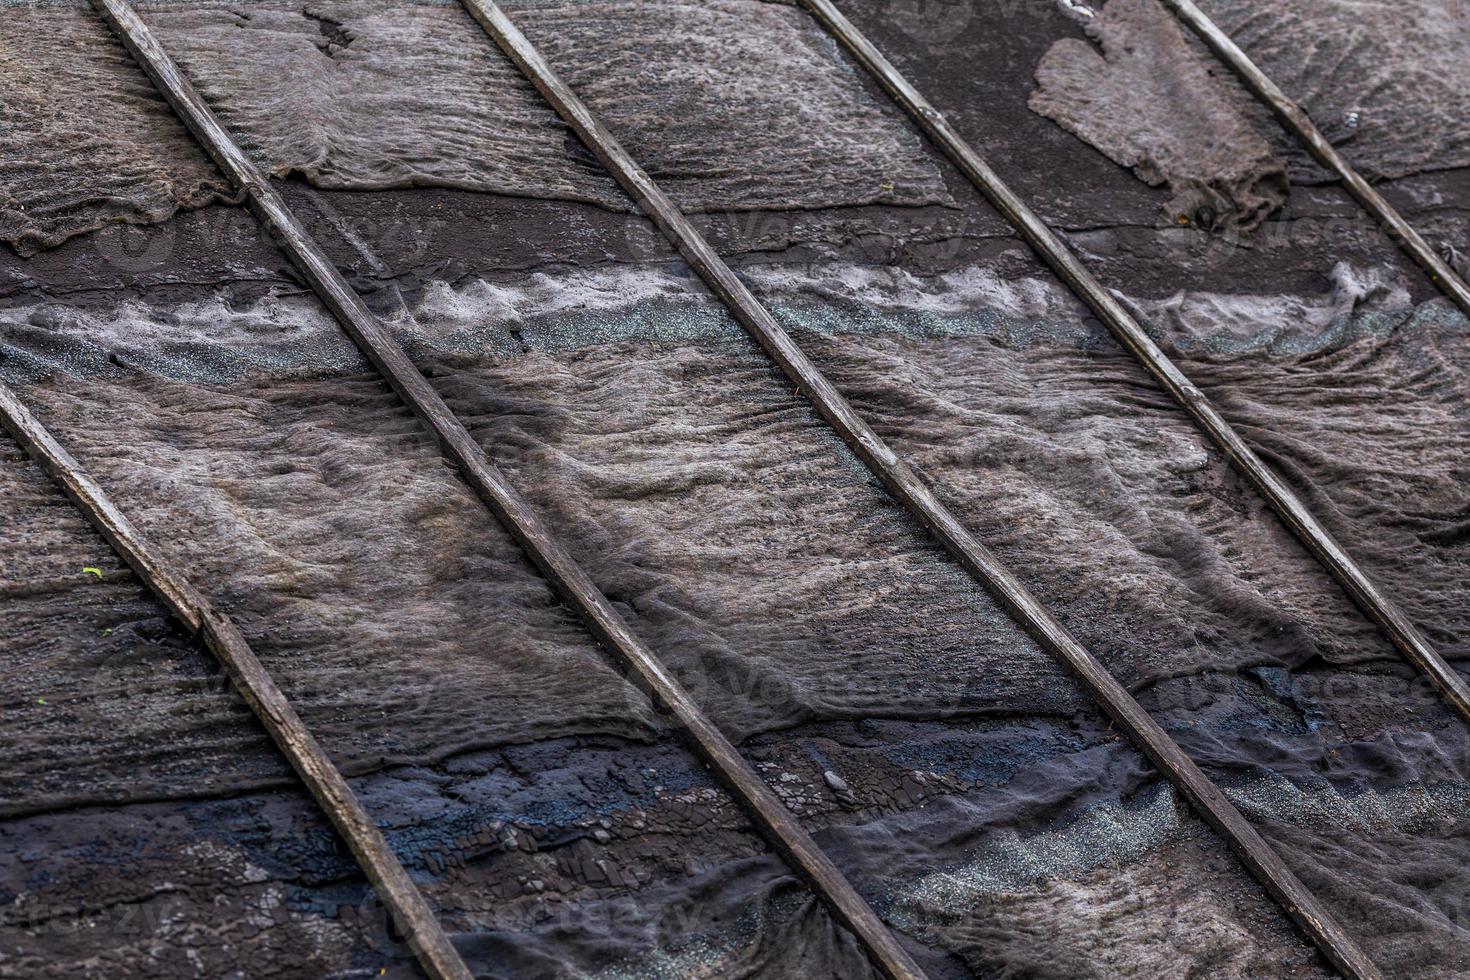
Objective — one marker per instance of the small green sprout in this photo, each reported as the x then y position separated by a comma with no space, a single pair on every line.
92,570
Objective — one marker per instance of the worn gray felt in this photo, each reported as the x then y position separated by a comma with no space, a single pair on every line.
961,780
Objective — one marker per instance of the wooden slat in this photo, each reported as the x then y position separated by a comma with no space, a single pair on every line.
411,911
906,487
1295,119
766,810
1400,630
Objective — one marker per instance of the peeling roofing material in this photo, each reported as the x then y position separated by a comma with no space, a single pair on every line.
981,804
1137,91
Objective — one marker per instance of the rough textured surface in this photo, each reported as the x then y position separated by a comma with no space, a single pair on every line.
948,369
1149,102
88,139
393,95
977,61
1390,91
1390,85
986,812
1343,345
1213,584
396,614
776,565
774,593
1139,888
949,402
255,886
100,687
1366,415
788,592
414,94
